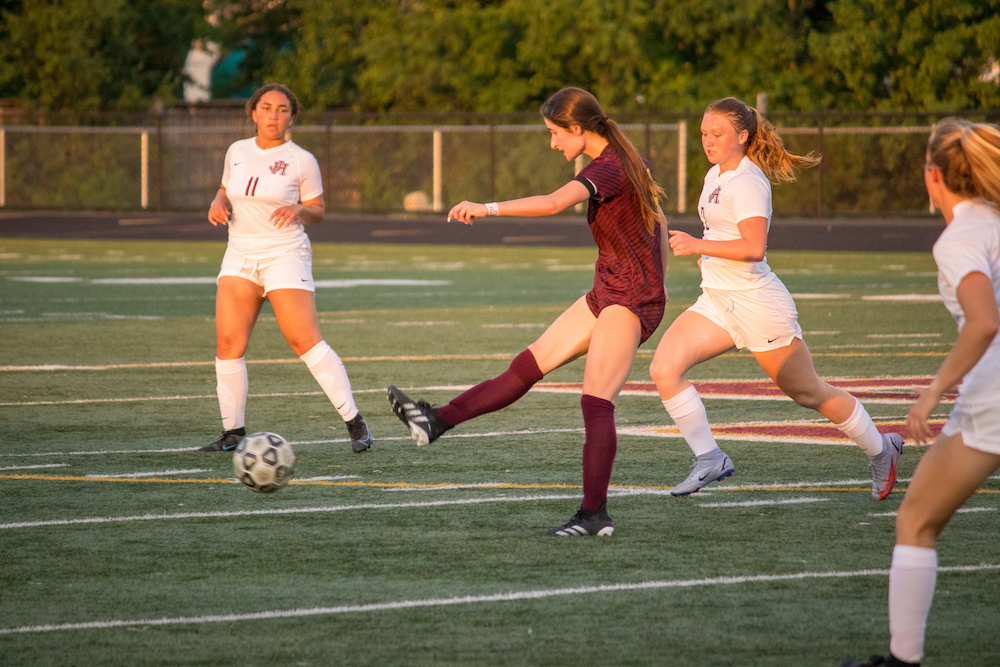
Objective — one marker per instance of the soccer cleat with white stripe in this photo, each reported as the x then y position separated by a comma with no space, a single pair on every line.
883,466
423,421
702,473
586,523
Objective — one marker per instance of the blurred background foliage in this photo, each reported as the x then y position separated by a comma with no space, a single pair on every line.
508,55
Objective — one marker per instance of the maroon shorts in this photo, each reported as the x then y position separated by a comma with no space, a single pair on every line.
649,313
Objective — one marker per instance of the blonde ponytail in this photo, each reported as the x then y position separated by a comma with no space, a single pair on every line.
968,155
763,146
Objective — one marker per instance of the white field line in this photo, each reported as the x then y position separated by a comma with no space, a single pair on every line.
138,475
174,450
761,503
43,465
673,432
473,599
540,390
902,297
326,478
797,485
173,364
79,401
961,510
281,511
613,491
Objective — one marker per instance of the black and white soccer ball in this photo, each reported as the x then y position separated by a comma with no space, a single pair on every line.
264,462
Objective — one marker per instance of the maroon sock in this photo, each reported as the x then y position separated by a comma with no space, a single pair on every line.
599,450
494,394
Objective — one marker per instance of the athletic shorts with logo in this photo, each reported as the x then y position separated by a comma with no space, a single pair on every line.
291,270
759,319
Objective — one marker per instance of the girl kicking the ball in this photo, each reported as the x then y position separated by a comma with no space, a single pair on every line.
608,324
270,189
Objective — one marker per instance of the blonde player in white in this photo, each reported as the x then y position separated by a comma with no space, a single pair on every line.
744,305
962,175
270,189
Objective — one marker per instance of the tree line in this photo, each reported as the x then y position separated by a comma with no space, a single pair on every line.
509,55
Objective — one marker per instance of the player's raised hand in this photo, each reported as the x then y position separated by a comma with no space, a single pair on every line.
467,211
682,243
284,216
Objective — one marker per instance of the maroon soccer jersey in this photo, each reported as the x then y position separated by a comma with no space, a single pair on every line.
629,270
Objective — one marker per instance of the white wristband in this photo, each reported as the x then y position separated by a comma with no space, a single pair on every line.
492,208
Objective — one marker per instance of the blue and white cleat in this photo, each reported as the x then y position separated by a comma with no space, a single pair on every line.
702,473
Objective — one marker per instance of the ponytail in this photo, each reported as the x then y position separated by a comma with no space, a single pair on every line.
575,106
649,191
968,155
764,147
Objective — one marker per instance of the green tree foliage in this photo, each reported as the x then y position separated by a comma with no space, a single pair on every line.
96,54
509,55
322,64
910,54
261,29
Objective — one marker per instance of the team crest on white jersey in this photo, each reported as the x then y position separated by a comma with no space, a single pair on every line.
279,167
714,197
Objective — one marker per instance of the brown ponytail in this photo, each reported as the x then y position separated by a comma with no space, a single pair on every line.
575,106
763,146
968,155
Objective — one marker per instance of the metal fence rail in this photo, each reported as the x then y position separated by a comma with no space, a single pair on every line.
393,166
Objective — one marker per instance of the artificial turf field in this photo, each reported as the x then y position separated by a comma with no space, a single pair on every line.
120,544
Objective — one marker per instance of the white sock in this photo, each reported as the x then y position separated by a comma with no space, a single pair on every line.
861,429
912,576
329,371
231,386
688,413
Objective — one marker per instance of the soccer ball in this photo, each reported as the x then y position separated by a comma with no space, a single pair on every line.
264,462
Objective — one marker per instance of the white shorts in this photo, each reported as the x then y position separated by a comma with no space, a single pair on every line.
292,270
759,319
979,424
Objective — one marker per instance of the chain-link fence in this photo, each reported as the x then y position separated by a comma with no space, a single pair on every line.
871,162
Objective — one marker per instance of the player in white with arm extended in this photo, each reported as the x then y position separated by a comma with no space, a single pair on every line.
962,175
744,305
270,189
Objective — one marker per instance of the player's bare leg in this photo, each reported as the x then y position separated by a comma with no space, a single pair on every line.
237,305
566,339
690,340
613,344
563,341
295,310
791,367
946,477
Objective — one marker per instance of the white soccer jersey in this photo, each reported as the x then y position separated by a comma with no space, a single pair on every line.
257,182
726,200
971,242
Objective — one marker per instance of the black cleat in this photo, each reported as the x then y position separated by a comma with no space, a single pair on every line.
878,661
586,523
423,421
361,436
227,442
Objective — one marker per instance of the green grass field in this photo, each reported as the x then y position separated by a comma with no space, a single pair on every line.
121,545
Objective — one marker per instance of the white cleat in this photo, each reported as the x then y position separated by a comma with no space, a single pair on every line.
702,473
